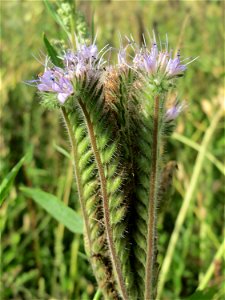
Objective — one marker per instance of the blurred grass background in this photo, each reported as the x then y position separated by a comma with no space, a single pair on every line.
40,259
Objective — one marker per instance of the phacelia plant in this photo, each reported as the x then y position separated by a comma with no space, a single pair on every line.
118,119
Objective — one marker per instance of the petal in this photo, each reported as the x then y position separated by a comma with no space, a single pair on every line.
62,97
44,88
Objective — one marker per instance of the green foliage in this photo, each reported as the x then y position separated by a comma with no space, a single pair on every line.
203,295
7,182
49,101
52,52
62,151
56,209
51,8
65,13
38,272
81,27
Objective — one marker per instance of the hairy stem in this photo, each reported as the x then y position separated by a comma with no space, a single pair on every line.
114,257
152,206
77,175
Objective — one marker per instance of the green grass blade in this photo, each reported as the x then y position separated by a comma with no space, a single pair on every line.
62,151
57,209
187,201
192,144
9,179
205,280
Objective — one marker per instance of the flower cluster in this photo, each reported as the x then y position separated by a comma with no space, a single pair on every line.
54,80
155,62
87,62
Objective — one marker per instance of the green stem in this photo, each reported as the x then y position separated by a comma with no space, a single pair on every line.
187,200
152,206
97,295
114,257
77,175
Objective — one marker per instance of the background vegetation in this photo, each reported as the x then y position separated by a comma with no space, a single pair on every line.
40,258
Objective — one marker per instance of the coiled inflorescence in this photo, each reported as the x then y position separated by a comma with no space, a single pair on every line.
117,117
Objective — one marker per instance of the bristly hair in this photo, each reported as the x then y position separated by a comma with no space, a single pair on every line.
118,120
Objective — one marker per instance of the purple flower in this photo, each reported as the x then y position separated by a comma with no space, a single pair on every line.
163,61
173,112
174,67
154,62
86,61
150,62
88,52
84,64
54,80
138,61
146,61
122,56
